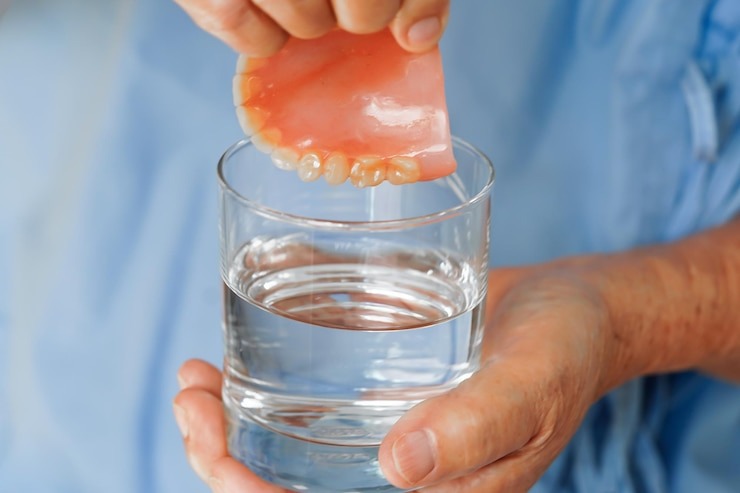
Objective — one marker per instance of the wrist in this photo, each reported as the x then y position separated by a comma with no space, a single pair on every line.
615,358
625,357
671,307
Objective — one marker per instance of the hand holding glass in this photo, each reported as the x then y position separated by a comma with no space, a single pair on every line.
343,308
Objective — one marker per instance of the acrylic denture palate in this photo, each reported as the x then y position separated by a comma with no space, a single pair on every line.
348,106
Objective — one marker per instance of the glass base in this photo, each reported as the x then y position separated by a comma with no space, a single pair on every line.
301,466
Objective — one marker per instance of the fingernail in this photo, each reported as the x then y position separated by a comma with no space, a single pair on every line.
424,31
216,485
413,456
181,381
181,418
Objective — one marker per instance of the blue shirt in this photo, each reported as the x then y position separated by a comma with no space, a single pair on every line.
612,124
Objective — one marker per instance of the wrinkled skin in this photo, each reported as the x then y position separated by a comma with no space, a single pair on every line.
546,343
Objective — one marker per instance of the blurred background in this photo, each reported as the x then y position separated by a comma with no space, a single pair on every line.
113,114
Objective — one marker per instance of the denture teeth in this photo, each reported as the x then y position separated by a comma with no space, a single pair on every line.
267,140
367,171
309,167
284,158
244,87
241,64
245,64
251,119
336,169
402,169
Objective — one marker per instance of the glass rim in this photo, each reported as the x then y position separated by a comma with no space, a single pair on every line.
331,224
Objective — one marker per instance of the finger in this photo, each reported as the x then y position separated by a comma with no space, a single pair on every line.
237,23
201,420
200,416
199,374
306,19
484,419
230,476
516,473
419,24
363,16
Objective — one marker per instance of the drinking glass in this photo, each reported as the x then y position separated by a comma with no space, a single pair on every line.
343,308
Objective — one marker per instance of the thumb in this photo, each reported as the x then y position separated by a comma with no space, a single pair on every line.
484,419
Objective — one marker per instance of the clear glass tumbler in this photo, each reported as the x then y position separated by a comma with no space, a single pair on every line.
343,308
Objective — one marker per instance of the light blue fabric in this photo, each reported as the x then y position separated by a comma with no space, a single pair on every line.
612,123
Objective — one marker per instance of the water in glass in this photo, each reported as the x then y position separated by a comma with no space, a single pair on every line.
328,343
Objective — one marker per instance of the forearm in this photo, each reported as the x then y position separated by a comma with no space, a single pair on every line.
674,307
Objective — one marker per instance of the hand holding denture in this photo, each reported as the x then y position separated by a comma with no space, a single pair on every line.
261,27
348,106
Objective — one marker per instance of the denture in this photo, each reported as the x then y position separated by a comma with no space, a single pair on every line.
348,107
